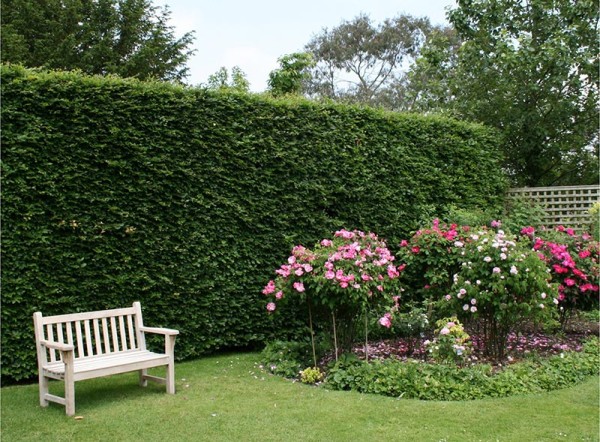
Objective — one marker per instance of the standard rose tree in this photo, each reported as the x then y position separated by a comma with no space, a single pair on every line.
345,277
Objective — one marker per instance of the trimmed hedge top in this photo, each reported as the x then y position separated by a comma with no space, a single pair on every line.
185,199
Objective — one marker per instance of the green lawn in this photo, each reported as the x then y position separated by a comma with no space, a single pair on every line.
228,398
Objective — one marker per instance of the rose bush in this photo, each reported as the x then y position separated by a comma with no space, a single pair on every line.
432,256
573,261
352,274
501,282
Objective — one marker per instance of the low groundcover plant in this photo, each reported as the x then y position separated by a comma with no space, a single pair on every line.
419,380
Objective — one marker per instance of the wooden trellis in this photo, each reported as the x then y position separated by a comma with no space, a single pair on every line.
564,205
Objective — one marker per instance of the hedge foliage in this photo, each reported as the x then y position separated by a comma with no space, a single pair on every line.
117,190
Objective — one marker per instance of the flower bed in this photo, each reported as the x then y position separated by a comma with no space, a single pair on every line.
494,291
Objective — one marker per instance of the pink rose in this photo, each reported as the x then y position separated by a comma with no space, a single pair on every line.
284,271
386,320
392,271
269,288
584,254
298,286
560,269
271,306
527,231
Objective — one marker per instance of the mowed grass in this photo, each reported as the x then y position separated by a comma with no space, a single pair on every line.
228,398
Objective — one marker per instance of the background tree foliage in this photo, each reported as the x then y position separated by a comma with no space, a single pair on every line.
358,61
529,68
222,80
129,38
293,72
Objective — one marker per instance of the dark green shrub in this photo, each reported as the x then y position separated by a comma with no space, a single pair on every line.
184,199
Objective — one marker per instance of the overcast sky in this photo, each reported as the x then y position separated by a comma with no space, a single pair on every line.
253,34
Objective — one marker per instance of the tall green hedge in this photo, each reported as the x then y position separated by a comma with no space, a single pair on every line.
116,190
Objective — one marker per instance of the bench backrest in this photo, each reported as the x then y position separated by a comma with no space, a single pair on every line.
91,333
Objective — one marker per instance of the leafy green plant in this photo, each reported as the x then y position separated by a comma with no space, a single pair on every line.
311,375
286,358
520,211
469,217
448,382
451,343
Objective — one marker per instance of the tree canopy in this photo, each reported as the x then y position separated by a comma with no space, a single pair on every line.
129,38
359,61
529,68
293,72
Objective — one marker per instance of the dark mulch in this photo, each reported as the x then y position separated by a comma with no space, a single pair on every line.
520,346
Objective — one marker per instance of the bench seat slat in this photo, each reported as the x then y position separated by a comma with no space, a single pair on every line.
109,364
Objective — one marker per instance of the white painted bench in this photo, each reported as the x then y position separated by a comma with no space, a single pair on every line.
79,346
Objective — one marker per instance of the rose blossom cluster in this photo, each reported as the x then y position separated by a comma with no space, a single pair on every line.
352,260
448,233
572,263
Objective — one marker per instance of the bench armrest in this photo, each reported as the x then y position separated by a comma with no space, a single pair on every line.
57,345
160,330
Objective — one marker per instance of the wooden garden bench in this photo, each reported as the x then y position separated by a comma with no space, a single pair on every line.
79,346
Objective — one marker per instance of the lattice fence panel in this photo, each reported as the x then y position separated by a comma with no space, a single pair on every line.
564,205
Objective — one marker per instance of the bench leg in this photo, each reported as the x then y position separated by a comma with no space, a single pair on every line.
70,397
69,384
43,390
143,380
170,378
